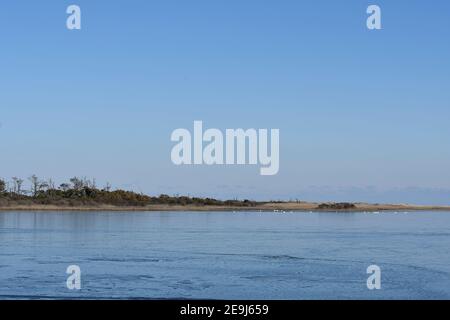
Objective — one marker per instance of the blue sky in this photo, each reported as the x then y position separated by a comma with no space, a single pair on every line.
363,115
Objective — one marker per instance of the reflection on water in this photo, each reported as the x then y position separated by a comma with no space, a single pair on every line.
224,255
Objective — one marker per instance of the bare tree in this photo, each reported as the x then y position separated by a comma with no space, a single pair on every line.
2,186
17,185
14,188
107,187
34,184
51,184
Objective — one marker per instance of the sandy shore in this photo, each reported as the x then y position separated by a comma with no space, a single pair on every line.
268,207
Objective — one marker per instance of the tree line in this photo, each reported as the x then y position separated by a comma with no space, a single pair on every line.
84,192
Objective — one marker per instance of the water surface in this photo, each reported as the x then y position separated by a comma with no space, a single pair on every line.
225,255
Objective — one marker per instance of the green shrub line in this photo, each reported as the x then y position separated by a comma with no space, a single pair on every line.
83,192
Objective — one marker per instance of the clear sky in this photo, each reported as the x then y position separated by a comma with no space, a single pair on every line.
363,115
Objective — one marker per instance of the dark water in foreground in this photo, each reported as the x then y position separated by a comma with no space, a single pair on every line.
225,255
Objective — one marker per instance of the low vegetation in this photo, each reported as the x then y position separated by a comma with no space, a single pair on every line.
336,206
84,192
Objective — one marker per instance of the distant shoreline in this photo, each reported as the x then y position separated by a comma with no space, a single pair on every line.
82,194
262,207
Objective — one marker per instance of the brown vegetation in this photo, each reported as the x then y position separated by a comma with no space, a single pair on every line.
336,206
83,192
83,195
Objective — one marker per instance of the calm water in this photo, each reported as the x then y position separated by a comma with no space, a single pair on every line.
225,255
